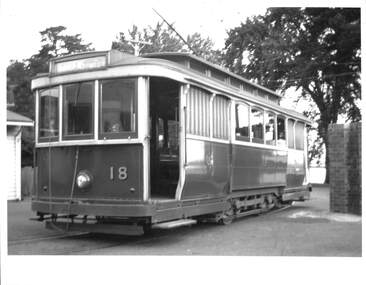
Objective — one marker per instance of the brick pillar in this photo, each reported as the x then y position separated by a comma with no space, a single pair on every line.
345,168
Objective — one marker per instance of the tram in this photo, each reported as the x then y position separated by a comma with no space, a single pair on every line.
128,143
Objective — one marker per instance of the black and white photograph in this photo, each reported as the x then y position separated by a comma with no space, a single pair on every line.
181,141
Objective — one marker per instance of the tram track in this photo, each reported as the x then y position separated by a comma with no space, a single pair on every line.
37,239
158,235
86,243
109,241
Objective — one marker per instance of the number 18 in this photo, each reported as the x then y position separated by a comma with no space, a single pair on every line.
122,173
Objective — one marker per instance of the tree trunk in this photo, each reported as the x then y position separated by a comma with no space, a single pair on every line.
323,133
326,180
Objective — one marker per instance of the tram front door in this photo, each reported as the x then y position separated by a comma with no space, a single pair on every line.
164,134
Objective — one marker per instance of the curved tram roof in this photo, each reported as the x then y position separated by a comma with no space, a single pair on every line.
182,66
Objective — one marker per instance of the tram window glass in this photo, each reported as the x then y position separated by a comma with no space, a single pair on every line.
256,120
218,75
235,82
118,114
290,127
220,117
78,109
198,112
242,122
48,113
270,131
299,135
198,66
281,131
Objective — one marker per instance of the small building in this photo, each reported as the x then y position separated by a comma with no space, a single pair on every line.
14,123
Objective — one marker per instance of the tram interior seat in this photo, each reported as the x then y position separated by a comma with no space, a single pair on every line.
164,142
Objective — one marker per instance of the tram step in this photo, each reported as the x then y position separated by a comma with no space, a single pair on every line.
174,224
129,230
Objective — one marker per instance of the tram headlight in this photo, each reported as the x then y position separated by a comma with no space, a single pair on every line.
84,179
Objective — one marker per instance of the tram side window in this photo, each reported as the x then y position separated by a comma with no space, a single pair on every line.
78,109
281,131
299,135
198,112
270,131
242,122
291,135
220,117
118,113
48,113
256,120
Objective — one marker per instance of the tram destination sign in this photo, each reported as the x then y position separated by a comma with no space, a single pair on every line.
80,64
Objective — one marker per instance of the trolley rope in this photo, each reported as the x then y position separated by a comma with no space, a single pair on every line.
49,180
49,168
73,186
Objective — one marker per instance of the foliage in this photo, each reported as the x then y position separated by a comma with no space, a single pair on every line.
19,74
55,43
163,39
316,50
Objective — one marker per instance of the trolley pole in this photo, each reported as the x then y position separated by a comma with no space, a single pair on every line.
137,45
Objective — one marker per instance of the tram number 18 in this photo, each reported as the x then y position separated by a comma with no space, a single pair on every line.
121,173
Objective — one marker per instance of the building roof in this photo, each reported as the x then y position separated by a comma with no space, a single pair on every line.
15,119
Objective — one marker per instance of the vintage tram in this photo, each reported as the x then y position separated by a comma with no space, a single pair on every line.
126,143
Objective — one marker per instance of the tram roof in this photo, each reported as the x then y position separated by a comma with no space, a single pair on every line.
187,59
89,61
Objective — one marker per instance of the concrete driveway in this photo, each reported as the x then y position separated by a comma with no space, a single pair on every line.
305,229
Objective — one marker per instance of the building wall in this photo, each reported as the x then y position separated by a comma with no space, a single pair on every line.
345,167
14,161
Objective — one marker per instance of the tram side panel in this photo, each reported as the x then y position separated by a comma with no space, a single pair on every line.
295,168
255,168
116,172
207,169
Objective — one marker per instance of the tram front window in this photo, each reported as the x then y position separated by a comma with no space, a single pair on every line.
118,115
48,113
78,109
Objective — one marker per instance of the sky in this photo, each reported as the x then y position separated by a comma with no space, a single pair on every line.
99,22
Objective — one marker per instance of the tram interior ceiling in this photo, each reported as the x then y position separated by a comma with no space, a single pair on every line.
164,142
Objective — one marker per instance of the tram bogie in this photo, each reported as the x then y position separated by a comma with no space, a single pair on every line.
125,144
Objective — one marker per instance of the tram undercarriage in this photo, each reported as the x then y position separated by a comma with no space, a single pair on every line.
181,213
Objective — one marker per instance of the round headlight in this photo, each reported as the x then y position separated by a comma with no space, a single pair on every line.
84,179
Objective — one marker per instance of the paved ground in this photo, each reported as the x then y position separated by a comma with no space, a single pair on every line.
305,229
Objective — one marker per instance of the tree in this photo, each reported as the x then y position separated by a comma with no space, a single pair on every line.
54,44
19,74
163,39
315,50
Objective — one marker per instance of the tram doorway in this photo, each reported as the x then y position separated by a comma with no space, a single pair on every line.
164,137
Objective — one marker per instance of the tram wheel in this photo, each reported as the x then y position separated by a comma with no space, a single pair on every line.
227,217
147,229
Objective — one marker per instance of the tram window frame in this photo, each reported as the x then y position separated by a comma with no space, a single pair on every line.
281,131
254,138
86,136
291,133
220,117
299,136
198,115
121,134
57,124
238,135
274,132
